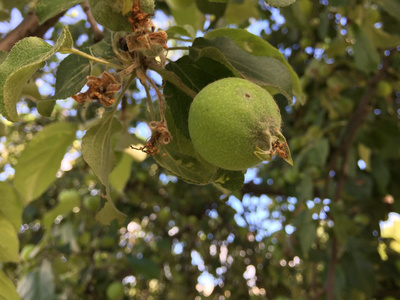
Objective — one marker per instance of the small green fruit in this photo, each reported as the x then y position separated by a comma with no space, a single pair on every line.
115,291
384,89
235,124
71,196
27,252
91,202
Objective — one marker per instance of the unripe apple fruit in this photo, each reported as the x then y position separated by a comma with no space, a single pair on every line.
27,251
91,202
115,291
384,89
71,196
235,124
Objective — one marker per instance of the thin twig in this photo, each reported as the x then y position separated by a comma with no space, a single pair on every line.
97,33
149,102
29,26
141,75
96,59
330,281
161,102
355,123
122,93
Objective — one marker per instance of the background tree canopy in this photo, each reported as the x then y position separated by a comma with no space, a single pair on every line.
97,201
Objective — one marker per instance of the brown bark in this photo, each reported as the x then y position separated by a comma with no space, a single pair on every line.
28,27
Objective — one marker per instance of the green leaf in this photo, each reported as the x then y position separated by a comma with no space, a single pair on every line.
110,213
237,13
11,205
109,14
47,9
9,242
255,45
31,91
96,147
380,173
39,162
343,225
46,107
38,284
306,230
380,38
185,31
104,48
337,47
24,59
230,180
26,55
98,154
121,173
61,208
64,232
71,76
7,288
392,7
188,15
366,57
264,71
144,266
304,189
280,3
319,153
215,8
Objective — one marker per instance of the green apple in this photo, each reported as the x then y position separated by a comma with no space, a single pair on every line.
115,291
235,124
91,202
69,195
384,89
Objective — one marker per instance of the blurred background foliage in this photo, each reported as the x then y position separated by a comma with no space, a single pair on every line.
312,231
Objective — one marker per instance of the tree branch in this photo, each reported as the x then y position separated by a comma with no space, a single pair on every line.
28,27
355,123
343,150
97,33
330,281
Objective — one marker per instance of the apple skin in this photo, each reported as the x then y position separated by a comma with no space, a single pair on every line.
384,89
69,195
233,124
115,291
91,202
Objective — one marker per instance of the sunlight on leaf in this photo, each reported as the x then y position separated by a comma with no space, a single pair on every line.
9,243
24,59
110,213
11,205
259,47
39,162
7,287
